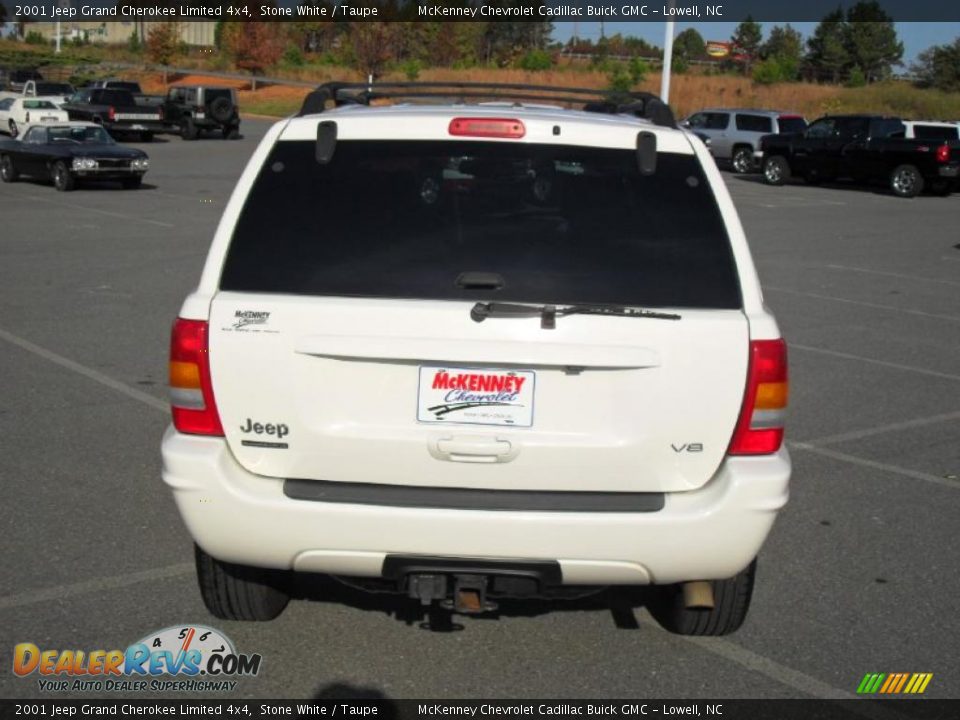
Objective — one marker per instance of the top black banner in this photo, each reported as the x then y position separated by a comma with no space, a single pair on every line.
467,10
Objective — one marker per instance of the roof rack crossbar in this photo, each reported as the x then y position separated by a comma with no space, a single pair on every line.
641,104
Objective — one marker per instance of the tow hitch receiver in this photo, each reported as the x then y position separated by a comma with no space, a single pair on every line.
469,595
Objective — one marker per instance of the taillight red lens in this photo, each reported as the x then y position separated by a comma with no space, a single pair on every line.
487,127
191,391
760,427
111,114
943,153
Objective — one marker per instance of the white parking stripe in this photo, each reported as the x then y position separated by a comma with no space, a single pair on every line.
892,274
87,208
90,373
881,429
871,361
61,592
875,465
920,313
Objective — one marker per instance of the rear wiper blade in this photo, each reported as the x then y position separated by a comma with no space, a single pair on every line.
549,313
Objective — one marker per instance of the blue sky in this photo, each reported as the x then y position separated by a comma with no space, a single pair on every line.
916,37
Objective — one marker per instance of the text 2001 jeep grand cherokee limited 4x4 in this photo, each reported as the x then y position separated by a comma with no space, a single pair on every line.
467,351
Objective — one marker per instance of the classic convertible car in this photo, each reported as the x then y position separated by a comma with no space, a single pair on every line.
68,152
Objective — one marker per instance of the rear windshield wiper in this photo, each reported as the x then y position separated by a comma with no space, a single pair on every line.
549,313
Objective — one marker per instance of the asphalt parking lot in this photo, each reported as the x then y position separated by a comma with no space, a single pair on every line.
858,576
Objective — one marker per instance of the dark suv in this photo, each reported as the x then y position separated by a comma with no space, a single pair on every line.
193,108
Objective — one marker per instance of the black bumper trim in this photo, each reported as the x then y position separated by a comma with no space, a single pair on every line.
471,499
547,573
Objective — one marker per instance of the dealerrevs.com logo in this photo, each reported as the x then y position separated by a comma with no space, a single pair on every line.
179,658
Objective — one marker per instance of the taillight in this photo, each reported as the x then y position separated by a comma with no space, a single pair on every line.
760,427
487,127
160,113
111,113
191,392
943,153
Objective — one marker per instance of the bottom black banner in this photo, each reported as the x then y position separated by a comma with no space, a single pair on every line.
379,709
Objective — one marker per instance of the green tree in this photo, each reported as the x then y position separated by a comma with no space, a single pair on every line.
871,40
689,45
785,48
827,55
939,67
747,39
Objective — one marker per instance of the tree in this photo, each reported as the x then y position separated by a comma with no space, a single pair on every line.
939,67
871,40
827,55
689,45
253,45
746,41
784,49
373,45
163,42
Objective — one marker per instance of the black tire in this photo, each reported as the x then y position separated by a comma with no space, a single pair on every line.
131,183
776,170
240,592
906,181
742,160
146,137
231,132
14,130
8,171
221,110
731,602
62,179
188,128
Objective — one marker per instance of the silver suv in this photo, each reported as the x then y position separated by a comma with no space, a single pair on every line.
735,134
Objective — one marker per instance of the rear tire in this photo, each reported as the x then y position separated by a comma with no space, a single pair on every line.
776,170
188,129
731,603
906,181
742,160
240,592
941,187
230,132
8,171
14,130
62,179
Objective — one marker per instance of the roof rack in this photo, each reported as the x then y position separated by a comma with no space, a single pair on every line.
640,104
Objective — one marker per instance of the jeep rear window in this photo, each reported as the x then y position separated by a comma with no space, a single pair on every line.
559,224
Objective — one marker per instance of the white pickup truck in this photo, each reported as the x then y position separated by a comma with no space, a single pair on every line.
55,91
470,351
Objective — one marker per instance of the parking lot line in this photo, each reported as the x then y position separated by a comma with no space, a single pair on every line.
61,592
87,372
892,274
872,361
877,306
122,216
874,464
881,429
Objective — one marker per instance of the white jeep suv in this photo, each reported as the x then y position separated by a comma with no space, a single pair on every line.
467,351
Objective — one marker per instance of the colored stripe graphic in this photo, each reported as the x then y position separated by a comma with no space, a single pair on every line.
894,683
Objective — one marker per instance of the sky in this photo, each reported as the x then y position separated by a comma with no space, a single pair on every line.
916,36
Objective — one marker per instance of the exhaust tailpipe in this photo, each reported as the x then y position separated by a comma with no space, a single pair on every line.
698,594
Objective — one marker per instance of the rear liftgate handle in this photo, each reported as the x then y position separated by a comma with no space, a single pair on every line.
473,449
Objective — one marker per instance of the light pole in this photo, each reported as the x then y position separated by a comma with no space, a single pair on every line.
667,62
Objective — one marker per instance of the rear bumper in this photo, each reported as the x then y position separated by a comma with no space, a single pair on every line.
950,171
710,533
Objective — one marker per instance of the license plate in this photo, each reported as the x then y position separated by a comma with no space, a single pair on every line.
475,396
200,116
127,116
48,119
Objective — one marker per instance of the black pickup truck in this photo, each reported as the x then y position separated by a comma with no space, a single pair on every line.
864,148
117,111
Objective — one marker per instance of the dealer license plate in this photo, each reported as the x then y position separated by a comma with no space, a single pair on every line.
476,396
